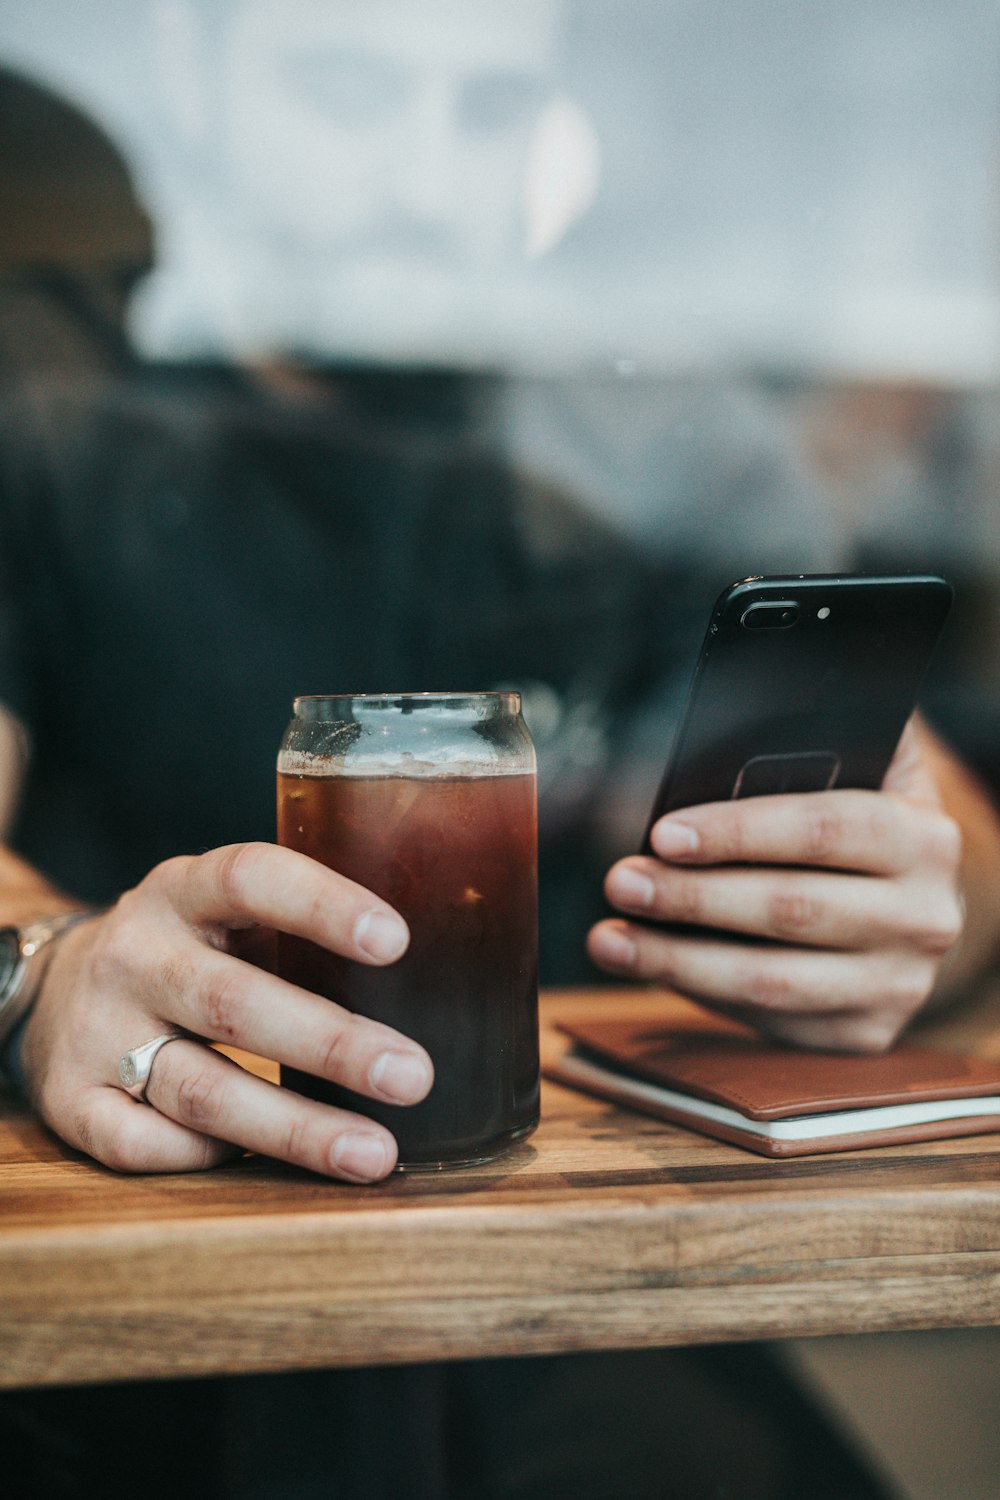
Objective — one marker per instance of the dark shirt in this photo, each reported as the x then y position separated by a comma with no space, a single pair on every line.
184,552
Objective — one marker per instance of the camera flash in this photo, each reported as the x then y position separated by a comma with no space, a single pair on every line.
823,614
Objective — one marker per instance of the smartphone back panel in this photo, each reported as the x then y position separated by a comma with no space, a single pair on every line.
804,683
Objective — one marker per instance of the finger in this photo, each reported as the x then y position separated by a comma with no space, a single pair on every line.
768,981
128,1136
834,1031
867,832
909,776
226,1000
277,887
209,1094
814,908
824,1031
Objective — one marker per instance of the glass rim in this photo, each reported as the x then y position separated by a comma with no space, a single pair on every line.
427,699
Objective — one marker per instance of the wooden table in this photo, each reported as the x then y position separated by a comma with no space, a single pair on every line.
606,1229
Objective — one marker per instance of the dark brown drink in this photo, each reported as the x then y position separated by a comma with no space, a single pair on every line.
456,856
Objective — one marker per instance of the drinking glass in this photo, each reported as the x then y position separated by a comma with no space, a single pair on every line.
429,800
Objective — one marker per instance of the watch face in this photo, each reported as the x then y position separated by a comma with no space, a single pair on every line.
10,953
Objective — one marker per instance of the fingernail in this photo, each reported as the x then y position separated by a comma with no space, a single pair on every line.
360,1155
630,887
382,936
612,946
402,1077
672,840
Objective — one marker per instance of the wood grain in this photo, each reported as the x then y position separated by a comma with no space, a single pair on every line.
605,1230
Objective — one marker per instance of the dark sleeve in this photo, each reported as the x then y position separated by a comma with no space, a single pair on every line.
15,690
17,461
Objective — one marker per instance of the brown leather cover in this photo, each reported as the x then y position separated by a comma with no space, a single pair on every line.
764,1081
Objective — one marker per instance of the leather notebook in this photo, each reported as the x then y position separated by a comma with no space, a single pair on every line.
724,1080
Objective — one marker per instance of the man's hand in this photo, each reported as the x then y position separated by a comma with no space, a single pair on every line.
158,961
855,895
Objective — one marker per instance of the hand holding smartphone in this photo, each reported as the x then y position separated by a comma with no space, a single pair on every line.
823,931
804,683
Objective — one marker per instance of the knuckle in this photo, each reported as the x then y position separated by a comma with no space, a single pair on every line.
769,987
864,1034
294,1144
737,834
682,898
934,925
332,1053
945,841
223,1004
125,941
873,1034
175,975
130,904
200,1097
236,872
316,910
83,1133
655,959
824,834
117,1150
943,930
158,884
905,992
168,870
790,913
120,948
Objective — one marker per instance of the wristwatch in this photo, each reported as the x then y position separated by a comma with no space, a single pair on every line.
24,955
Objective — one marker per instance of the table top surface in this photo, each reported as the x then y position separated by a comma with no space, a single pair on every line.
605,1229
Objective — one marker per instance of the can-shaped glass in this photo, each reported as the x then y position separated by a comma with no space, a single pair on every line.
429,800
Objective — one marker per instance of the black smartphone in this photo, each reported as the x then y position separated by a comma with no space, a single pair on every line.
804,683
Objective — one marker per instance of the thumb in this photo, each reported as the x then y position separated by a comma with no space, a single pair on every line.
909,776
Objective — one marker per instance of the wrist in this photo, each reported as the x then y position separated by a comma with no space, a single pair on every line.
25,954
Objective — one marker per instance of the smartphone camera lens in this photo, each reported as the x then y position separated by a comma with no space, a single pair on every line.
781,615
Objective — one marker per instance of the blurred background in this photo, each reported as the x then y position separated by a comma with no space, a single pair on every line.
678,186
726,273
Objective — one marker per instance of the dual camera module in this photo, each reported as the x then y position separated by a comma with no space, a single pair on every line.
779,614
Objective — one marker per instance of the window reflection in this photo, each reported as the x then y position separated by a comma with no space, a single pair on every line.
723,274
800,189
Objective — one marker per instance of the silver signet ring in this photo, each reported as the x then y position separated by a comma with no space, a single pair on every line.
134,1066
